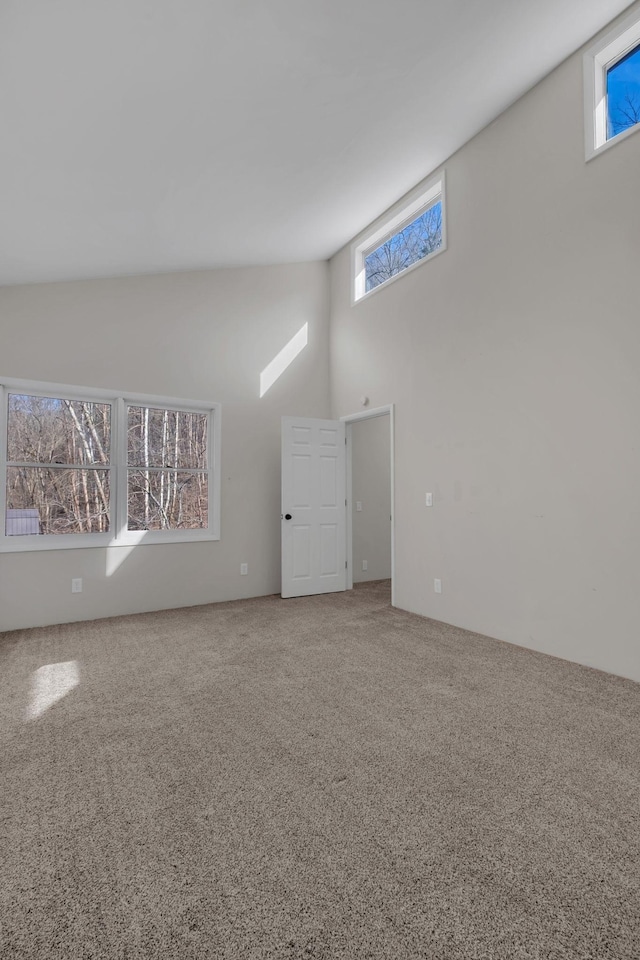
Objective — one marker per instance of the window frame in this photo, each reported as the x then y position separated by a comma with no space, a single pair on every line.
395,219
118,535
597,61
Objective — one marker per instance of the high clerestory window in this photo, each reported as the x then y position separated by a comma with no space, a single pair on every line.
408,235
78,468
612,87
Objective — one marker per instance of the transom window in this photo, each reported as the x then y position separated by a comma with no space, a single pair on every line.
612,87
78,469
417,240
408,235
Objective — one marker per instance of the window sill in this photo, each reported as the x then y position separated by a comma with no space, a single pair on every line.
87,541
603,147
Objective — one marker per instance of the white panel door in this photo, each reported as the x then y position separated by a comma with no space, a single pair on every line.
314,549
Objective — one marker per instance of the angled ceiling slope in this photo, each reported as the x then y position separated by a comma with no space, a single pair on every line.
144,136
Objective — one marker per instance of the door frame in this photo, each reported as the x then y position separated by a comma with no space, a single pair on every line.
387,410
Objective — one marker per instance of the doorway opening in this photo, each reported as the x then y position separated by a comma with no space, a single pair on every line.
370,496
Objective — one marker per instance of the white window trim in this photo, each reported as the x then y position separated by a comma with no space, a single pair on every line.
596,61
118,534
392,221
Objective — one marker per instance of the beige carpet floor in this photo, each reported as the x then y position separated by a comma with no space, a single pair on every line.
315,778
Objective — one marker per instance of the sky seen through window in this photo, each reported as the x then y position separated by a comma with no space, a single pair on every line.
623,94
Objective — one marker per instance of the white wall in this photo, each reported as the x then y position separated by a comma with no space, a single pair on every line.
371,477
202,336
513,362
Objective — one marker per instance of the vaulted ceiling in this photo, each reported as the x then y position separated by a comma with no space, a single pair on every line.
143,136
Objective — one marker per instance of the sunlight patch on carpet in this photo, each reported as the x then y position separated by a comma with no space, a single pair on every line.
49,684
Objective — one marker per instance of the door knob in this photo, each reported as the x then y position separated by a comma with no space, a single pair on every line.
287,516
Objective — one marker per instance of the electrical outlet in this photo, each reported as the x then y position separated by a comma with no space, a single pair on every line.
76,585
244,569
365,564
358,506
437,585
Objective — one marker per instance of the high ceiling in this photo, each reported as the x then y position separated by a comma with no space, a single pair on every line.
144,136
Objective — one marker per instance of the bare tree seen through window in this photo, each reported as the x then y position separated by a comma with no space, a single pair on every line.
413,243
58,465
168,482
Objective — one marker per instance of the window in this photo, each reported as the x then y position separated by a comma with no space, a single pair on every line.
623,93
612,87
58,466
83,469
411,233
167,469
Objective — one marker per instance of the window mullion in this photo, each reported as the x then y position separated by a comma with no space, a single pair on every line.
3,462
140,468
213,463
41,465
119,496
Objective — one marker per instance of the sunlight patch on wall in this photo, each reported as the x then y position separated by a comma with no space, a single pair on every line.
284,359
50,684
116,556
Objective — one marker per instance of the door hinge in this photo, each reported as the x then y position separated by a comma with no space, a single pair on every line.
345,564
345,503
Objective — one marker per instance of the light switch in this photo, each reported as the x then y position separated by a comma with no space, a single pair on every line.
428,499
